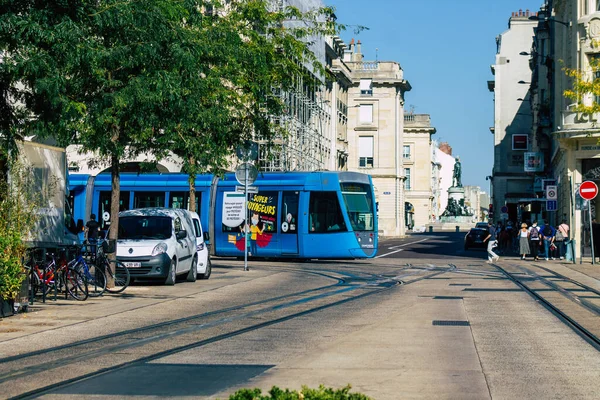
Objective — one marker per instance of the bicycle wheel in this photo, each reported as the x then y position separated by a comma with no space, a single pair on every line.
76,284
121,277
96,280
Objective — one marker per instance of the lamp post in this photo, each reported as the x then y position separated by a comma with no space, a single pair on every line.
549,19
490,178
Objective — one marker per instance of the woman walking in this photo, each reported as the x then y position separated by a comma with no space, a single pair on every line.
524,241
534,237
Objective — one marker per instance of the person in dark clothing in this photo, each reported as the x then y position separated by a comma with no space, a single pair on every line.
91,229
596,234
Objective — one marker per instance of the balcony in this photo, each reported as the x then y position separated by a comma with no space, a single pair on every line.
577,124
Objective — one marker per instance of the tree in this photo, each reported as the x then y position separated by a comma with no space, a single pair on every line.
126,77
585,91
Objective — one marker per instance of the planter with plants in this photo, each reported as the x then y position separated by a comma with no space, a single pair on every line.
322,393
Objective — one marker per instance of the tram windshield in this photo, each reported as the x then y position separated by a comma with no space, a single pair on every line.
359,204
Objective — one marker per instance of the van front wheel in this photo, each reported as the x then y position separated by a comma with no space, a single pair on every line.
191,277
172,276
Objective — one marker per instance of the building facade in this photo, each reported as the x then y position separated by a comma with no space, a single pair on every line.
416,156
375,132
512,181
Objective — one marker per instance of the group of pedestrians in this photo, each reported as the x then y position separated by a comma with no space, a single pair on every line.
531,240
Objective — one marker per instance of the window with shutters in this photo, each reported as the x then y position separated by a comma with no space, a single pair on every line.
366,113
366,87
365,151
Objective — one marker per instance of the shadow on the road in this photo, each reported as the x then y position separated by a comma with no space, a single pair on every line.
166,380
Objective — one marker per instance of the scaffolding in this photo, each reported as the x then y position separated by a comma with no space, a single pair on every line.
305,143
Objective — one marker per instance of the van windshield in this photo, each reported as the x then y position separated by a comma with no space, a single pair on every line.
145,227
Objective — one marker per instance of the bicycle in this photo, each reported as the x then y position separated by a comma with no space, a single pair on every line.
120,275
59,276
95,276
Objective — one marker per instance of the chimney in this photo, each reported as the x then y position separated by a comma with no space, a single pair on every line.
359,56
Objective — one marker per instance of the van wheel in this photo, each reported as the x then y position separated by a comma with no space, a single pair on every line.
208,270
191,276
172,277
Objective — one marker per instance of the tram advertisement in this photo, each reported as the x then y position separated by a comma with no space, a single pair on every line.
262,208
262,214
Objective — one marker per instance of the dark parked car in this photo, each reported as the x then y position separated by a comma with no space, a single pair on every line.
475,238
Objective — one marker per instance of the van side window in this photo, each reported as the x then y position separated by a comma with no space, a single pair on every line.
197,228
177,224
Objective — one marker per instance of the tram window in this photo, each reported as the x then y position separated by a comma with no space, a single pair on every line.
149,199
325,214
359,205
178,200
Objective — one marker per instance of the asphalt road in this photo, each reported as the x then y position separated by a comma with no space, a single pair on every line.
424,320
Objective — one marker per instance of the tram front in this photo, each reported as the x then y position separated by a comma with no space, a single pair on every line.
359,199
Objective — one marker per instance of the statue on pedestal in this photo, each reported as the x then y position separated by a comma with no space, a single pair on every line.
456,181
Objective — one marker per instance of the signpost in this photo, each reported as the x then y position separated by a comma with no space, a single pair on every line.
588,191
551,198
246,174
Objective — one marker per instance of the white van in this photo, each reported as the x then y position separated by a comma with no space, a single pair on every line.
204,265
160,243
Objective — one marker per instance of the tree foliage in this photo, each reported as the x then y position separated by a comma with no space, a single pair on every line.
586,88
128,77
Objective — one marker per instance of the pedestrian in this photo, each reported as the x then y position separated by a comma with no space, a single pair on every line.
524,241
92,227
596,234
534,238
548,233
492,257
561,237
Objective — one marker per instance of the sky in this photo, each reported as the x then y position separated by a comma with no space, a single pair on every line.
445,48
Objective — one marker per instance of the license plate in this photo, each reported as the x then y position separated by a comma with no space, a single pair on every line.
133,264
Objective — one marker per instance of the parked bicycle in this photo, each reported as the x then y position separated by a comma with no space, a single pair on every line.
95,275
112,268
59,276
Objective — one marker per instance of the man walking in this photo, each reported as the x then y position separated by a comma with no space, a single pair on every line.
492,257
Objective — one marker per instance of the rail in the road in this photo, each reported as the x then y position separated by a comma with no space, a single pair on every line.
191,332
576,311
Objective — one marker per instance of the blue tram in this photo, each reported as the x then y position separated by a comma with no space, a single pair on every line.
292,214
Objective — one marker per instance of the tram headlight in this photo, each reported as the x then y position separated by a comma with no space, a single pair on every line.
159,249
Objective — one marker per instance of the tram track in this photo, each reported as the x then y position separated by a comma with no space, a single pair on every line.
565,313
237,323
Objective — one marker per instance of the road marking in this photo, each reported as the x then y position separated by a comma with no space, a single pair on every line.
406,244
387,254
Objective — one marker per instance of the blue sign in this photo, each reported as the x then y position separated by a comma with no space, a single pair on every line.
551,205
504,210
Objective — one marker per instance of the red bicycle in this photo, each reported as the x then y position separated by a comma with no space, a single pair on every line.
59,276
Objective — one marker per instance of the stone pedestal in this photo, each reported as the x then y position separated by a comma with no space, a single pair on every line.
456,193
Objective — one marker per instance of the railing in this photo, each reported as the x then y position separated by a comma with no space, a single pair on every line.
367,66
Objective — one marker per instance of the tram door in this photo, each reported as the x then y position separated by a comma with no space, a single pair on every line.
103,215
289,222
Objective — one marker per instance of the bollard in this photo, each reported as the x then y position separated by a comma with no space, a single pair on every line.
430,229
457,228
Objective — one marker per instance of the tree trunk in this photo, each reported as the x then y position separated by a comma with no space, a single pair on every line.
192,182
115,199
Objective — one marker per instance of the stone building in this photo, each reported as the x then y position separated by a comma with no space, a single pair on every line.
375,132
512,115
416,156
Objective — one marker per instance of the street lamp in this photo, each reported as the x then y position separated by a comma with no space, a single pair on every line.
524,83
549,19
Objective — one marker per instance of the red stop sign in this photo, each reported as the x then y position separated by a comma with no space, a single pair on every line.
588,190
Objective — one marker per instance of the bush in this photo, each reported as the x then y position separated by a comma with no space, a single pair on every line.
322,393
16,217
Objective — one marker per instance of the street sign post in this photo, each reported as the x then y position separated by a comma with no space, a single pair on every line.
588,190
246,174
551,205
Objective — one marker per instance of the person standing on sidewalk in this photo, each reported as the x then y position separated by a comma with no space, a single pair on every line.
524,241
548,233
534,238
492,257
561,237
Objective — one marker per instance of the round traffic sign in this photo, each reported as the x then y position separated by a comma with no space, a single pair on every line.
246,172
504,210
588,190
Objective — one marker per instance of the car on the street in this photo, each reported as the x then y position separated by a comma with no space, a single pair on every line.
474,238
158,243
481,225
204,266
